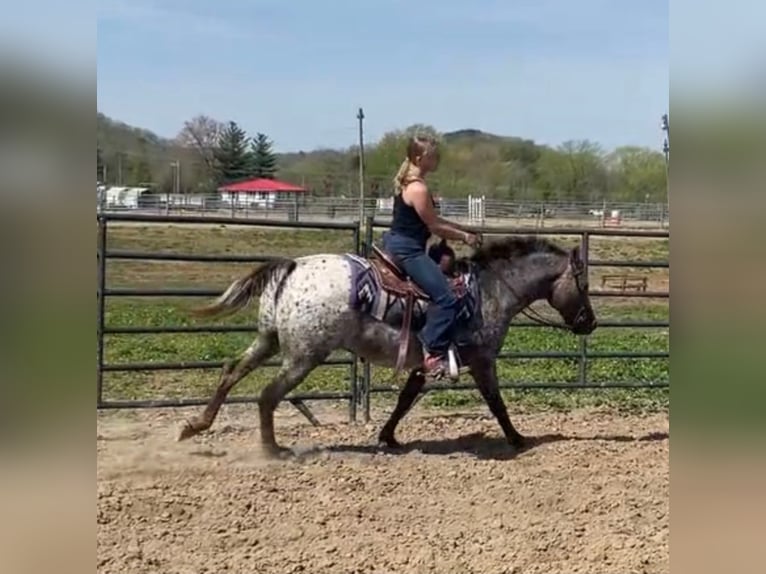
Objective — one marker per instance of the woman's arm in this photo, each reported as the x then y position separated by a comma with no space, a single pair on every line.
417,194
455,225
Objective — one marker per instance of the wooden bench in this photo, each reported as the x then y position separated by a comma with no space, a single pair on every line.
625,282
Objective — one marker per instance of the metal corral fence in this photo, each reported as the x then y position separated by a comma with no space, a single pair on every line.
582,355
103,292
360,387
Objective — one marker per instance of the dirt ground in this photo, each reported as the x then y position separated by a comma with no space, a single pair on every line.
591,496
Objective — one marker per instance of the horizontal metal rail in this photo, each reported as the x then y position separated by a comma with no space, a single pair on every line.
190,258
196,219
198,402
589,355
530,386
529,355
203,292
132,330
170,292
196,365
181,329
593,232
637,264
631,294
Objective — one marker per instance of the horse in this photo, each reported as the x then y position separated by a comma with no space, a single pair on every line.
311,306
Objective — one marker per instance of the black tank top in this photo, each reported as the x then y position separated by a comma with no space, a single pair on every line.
407,222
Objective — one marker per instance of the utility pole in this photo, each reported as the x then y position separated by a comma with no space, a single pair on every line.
666,148
362,385
666,151
360,117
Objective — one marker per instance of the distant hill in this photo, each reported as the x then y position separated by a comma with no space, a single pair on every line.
114,136
475,135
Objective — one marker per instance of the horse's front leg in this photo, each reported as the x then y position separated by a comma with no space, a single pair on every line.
484,372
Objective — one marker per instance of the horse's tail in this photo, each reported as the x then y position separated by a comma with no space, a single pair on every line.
242,291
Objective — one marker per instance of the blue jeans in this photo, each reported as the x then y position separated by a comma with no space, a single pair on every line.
444,306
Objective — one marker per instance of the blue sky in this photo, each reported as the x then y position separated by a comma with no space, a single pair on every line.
550,70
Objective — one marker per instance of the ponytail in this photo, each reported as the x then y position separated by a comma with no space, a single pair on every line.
408,172
400,176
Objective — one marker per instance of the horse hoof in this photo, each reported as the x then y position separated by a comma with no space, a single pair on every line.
188,431
389,442
278,453
518,443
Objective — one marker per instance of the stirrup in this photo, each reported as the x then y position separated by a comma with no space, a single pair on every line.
450,371
455,367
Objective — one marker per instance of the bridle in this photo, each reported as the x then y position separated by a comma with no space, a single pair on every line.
534,316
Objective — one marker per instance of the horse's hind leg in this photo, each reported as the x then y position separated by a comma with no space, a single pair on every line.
264,347
407,397
294,370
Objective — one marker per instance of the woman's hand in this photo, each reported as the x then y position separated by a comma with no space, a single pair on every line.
472,239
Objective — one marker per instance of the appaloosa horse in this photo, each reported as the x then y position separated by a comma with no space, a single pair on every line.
311,306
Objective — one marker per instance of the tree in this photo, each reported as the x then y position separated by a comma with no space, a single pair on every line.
200,136
201,133
523,156
262,157
232,158
140,170
383,159
638,174
574,171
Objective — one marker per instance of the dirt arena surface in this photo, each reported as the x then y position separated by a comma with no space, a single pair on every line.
591,496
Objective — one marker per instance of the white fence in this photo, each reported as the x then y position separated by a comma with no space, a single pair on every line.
475,210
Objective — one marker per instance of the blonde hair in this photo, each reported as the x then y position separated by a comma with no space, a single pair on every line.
409,171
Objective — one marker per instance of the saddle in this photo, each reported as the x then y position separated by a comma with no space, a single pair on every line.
394,280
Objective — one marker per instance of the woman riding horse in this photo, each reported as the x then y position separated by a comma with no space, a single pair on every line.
414,221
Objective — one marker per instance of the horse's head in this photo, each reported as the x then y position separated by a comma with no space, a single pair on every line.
569,296
532,269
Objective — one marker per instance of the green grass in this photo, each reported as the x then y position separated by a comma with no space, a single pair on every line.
218,347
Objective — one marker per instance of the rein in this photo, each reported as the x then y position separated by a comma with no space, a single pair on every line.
530,313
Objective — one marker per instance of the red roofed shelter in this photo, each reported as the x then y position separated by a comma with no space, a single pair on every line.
258,192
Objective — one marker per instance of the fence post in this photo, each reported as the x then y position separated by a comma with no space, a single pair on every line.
354,368
366,381
100,306
585,254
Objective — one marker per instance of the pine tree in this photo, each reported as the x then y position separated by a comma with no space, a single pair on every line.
232,159
264,160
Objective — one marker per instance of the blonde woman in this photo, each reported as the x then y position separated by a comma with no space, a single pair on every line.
414,221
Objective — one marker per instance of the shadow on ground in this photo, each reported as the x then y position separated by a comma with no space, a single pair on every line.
476,444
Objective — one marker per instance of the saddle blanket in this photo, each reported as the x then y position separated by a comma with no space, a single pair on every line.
369,296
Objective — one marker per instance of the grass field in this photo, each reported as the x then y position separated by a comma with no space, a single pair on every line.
124,311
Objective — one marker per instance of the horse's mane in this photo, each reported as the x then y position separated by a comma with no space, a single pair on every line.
509,248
